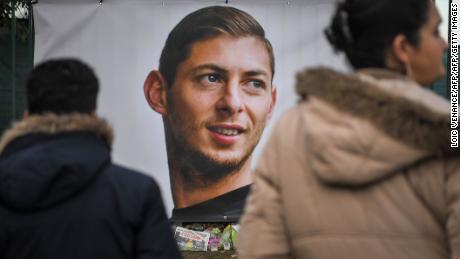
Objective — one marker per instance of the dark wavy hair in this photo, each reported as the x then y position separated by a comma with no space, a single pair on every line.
62,86
204,24
365,29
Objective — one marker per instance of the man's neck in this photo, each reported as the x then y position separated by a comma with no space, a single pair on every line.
187,193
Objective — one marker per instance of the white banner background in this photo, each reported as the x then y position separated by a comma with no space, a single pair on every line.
122,40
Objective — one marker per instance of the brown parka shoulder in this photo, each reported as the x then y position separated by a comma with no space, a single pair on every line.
362,167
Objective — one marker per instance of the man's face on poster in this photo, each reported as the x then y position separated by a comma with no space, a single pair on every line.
220,101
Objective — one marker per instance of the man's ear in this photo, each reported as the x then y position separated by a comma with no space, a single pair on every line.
155,91
273,102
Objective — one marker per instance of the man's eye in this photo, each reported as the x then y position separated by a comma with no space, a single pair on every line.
257,84
212,78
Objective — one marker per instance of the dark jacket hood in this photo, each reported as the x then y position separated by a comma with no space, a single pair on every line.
46,159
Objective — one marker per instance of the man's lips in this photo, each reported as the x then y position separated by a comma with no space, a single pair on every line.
226,134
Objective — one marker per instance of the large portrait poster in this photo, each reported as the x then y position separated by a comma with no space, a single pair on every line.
122,41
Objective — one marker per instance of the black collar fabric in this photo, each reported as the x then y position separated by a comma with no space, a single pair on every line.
31,139
226,208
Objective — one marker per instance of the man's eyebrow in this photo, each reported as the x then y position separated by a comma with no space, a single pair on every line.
257,72
210,66
223,71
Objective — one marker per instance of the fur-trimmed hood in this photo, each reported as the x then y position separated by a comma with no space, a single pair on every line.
53,124
364,126
46,159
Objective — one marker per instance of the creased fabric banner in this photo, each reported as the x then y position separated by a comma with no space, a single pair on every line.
122,41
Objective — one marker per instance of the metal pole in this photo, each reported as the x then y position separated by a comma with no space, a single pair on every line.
31,39
31,30
13,60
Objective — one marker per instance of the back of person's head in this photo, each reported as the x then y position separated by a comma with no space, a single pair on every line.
364,29
62,86
204,24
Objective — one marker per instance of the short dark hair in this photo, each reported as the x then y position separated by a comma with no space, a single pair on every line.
203,24
62,86
364,29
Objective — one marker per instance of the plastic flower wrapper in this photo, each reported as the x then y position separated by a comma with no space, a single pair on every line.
214,239
234,234
214,243
189,240
226,237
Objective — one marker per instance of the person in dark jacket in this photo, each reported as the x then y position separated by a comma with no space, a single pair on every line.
61,196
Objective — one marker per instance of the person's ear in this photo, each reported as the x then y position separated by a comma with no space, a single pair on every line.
155,91
273,102
401,49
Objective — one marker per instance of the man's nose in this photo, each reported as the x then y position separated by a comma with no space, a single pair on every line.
231,101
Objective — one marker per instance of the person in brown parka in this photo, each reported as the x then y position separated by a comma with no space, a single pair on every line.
363,166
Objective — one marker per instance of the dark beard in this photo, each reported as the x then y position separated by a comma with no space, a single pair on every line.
201,171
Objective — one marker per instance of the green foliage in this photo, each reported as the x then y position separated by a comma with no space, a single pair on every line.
20,8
